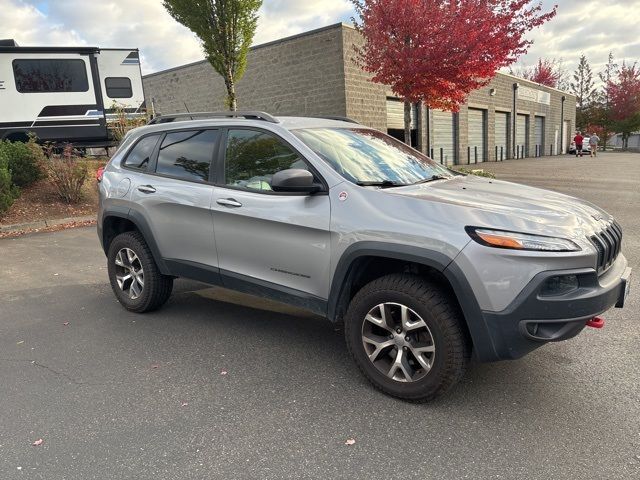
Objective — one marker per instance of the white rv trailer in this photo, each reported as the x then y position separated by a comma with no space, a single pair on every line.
66,93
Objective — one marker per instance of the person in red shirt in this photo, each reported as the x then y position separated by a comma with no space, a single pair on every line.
578,139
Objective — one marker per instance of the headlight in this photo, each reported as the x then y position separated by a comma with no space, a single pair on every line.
521,241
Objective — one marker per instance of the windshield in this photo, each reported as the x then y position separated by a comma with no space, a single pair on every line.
370,157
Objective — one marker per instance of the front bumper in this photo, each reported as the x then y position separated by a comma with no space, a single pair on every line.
532,319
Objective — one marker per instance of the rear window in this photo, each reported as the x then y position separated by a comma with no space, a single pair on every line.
118,87
140,155
187,155
46,76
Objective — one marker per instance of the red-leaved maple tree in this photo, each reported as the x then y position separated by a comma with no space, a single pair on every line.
438,51
624,98
545,72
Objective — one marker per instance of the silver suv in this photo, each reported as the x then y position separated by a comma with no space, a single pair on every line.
424,266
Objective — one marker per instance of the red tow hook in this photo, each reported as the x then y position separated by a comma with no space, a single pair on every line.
596,322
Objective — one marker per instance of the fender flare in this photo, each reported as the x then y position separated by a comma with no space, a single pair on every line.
143,227
483,345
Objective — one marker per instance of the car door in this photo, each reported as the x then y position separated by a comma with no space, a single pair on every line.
174,197
268,240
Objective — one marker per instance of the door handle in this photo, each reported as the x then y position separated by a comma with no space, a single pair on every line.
146,189
228,202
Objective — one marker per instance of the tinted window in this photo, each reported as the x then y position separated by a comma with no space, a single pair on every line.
187,155
38,76
253,157
140,154
118,87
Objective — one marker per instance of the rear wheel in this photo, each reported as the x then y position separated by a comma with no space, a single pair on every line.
135,279
407,336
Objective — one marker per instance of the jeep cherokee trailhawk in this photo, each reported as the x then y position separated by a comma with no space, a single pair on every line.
424,266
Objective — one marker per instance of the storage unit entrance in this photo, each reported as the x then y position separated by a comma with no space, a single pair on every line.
539,136
395,120
501,136
477,135
443,141
522,136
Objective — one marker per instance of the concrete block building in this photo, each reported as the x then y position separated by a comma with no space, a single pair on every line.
315,73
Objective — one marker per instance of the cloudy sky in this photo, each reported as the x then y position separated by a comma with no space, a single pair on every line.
581,26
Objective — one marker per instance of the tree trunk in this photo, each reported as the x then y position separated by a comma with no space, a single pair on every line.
407,122
231,93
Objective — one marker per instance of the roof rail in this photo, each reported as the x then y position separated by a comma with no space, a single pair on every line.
336,117
192,116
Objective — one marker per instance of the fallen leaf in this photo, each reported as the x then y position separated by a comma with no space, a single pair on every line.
184,404
155,366
65,323
223,372
38,442
19,468
350,441
56,274
20,342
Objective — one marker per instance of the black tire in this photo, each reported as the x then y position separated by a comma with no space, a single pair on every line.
445,323
157,287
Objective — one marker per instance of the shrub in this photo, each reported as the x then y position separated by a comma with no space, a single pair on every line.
124,121
23,161
477,172
67,174
8,192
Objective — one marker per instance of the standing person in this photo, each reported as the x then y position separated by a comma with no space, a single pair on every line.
578,139
593,143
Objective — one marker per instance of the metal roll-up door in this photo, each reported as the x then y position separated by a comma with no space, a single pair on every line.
502,136
539,136
395,114
477,129
567,134
522,133
444,134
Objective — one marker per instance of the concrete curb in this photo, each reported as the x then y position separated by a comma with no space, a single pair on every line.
44,223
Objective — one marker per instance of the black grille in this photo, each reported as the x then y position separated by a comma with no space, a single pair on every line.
608,243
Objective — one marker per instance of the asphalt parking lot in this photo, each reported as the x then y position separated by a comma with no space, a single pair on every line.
209,387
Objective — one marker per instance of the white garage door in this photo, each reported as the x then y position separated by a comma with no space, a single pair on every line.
566,136
502,136
395,114
443,141
522,134
477,135
539,136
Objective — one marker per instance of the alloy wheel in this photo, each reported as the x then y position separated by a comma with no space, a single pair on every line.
129,273
398,342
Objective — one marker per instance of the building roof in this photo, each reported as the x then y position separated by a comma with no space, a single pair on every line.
257,47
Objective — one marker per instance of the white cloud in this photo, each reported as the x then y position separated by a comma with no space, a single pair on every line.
591,27
581,26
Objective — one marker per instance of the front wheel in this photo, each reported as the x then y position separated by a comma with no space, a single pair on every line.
135,279
407,336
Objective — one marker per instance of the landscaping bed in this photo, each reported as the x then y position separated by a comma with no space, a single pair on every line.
40,201
45,189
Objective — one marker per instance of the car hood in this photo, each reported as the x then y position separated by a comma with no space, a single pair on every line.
507,205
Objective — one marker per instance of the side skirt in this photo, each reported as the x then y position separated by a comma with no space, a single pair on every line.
246,284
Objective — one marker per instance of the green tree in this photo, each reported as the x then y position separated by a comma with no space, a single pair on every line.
226,29
584,89
601,114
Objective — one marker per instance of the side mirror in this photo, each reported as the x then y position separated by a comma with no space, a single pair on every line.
294,180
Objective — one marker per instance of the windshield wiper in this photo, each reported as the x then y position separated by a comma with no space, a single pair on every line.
381,184
431,179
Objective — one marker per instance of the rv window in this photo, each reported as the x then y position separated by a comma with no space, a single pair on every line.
140,154
54,75
118,87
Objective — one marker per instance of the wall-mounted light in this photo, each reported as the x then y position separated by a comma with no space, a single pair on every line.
493,92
